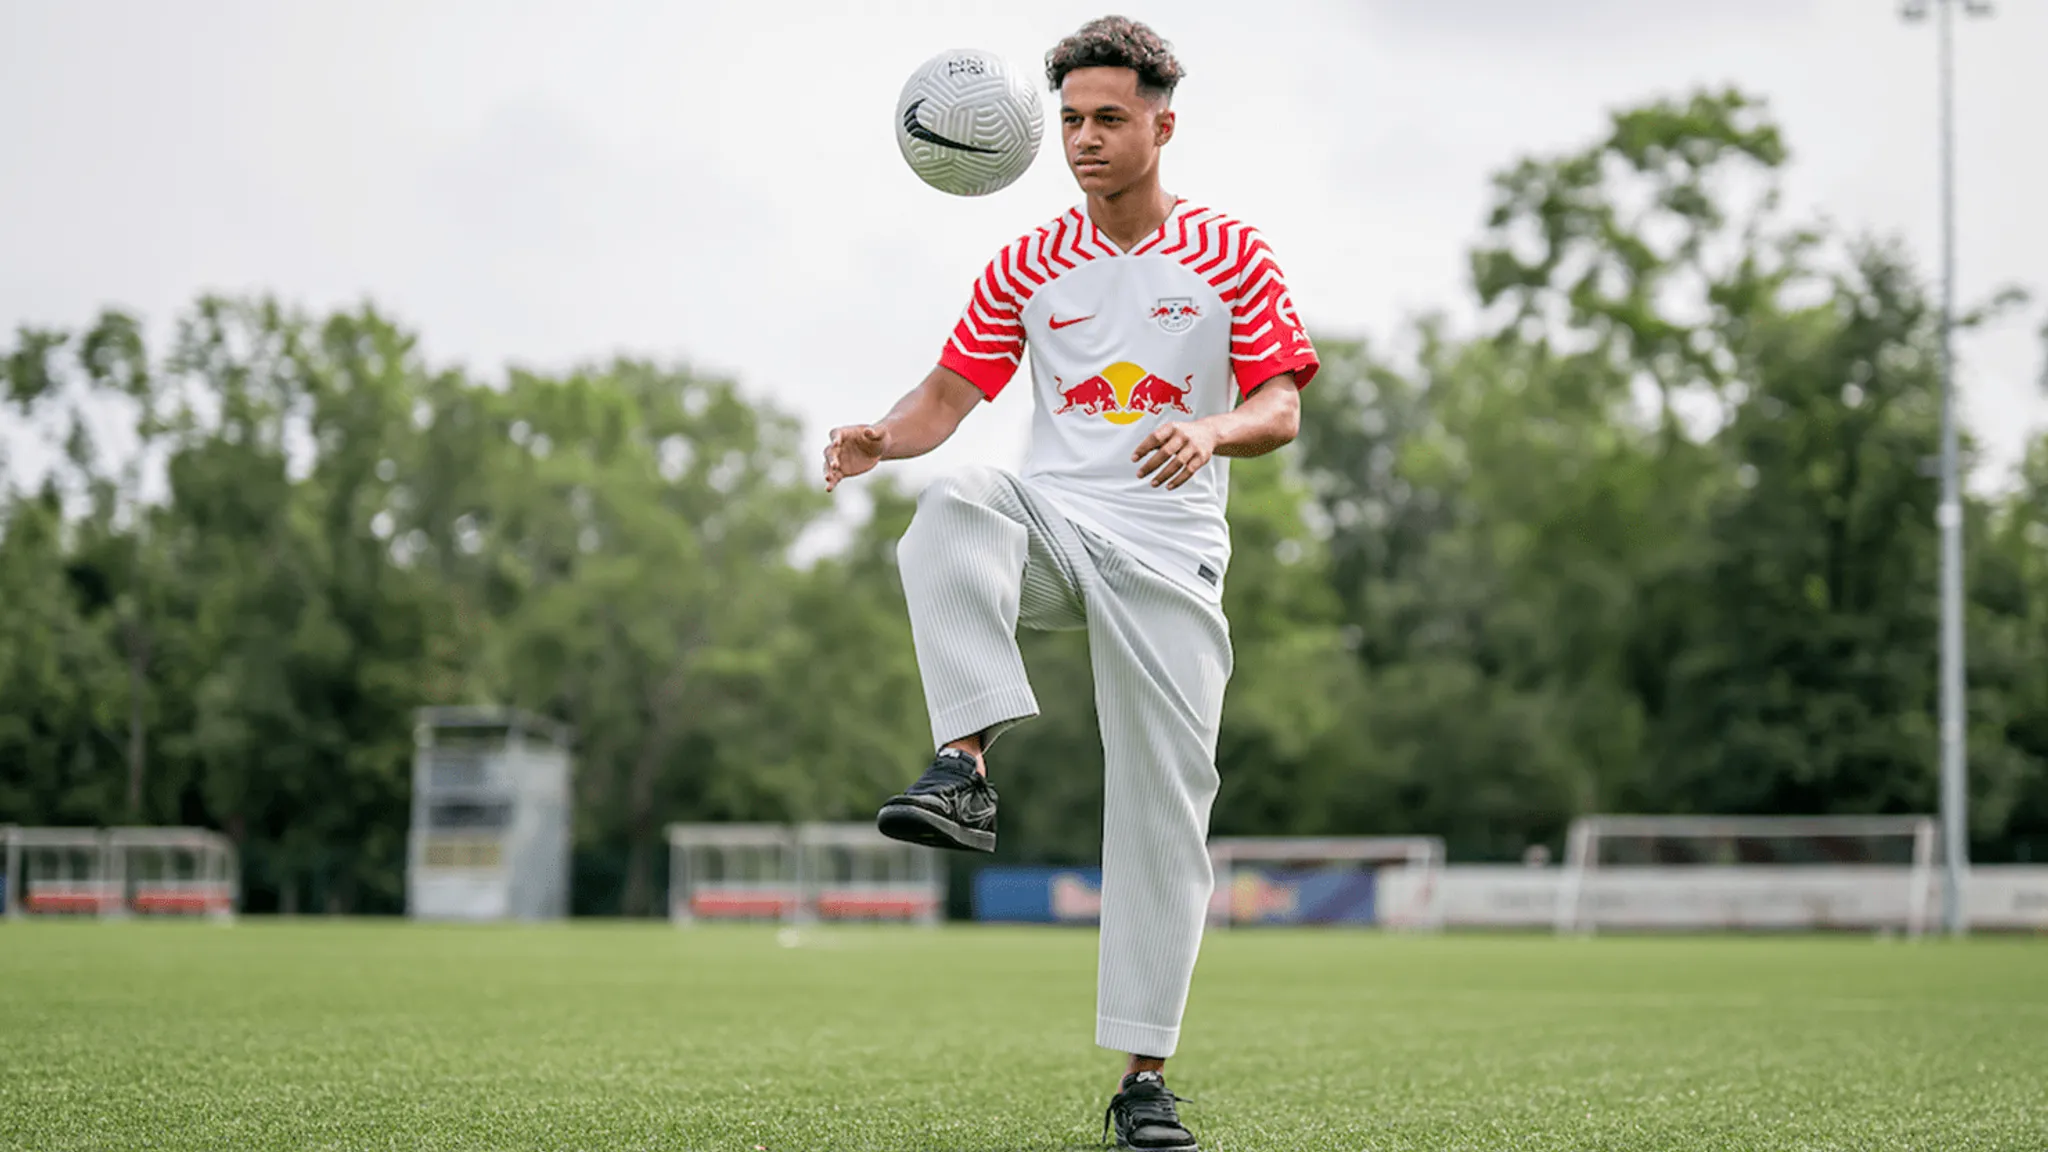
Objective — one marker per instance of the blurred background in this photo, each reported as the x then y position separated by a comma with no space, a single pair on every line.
362,358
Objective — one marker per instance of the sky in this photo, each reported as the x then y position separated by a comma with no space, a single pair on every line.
544,184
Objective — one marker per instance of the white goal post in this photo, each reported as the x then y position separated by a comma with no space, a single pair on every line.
1390,881
1748,872
801,873
117,872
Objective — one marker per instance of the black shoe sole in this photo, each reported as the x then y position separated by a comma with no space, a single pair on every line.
918,825
1190,1146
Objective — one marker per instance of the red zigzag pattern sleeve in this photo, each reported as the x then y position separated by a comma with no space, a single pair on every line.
988,343
1266,337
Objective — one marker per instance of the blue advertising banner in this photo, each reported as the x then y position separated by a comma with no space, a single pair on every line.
1252,896
1281,896
1038,895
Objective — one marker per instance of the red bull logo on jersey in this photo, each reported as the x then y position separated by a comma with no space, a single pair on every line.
1094,396
1155,395
1122,394
1176,314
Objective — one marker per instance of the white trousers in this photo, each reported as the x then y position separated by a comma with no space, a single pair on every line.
985,555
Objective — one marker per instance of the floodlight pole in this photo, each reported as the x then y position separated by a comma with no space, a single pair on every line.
1954,793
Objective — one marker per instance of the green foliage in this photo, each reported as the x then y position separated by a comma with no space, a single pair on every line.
1656,536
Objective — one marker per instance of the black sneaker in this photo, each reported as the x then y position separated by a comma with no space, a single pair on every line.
1145,1118
950,806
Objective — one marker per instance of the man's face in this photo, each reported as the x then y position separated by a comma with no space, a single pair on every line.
1112,132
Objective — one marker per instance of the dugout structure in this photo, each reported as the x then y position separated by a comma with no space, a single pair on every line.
800,874
1386,881
731,872
489,835
119,872
1678,873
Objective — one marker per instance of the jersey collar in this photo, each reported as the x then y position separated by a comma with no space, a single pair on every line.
1109,247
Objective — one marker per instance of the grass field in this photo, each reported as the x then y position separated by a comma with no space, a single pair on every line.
319,1035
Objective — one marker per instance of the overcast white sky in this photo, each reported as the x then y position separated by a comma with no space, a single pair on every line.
548,182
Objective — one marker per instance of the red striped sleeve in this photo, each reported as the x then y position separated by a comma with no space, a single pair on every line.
1266,337
987,344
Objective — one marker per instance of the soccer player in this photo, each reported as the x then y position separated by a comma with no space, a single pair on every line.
1162,343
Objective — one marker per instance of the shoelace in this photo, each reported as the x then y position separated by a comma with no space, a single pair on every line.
1148,1107
944,774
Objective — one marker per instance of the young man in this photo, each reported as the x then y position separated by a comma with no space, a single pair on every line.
1162,342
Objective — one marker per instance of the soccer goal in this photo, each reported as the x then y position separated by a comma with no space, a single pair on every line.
1390,881
1674,873
113,872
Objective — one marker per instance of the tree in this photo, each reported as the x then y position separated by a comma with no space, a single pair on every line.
1654,534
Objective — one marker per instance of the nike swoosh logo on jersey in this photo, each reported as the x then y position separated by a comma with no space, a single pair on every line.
1055,323
918,131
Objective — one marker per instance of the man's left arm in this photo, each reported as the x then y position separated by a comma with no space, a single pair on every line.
1266,420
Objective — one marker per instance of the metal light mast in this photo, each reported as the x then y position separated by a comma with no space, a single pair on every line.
1954,793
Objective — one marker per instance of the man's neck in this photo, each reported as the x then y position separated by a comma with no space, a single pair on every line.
1131,215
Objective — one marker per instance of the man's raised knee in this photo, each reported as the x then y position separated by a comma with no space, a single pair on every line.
973,484
936,525
947,496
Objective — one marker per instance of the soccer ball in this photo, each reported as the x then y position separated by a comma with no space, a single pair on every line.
968,123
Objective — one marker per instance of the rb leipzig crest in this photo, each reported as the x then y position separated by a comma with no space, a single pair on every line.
1176,314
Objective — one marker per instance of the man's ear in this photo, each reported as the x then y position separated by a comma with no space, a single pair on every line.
1162,128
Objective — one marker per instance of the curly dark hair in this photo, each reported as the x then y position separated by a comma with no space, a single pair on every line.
1117,42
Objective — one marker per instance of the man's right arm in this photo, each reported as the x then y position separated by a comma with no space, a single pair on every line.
984,351
929,413
924,419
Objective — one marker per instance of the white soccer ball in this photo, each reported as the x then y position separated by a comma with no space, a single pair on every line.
968,123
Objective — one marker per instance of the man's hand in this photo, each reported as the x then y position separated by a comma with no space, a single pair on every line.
855,448
1179,450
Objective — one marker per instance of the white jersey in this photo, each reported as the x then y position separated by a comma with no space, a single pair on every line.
1179,327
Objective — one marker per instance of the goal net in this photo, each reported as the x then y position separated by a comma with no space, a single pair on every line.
1872,873
1389,881
113,872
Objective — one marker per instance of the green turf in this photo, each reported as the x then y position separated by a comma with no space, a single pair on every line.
385,1035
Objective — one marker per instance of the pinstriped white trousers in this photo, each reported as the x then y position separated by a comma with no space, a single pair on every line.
985,555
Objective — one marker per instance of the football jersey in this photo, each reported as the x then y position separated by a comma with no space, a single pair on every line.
1181,326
